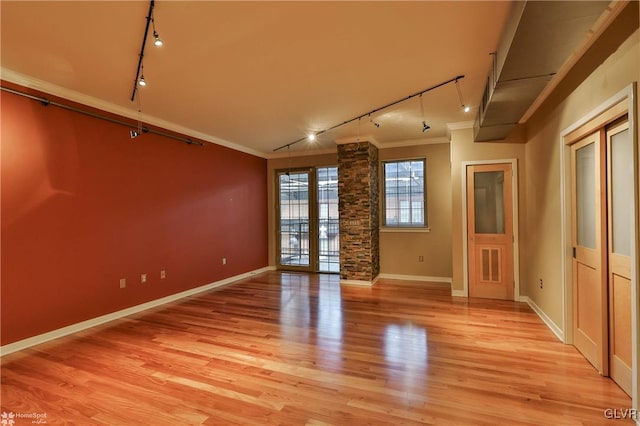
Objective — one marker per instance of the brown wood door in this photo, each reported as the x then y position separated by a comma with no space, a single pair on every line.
589,270
620,213
490,231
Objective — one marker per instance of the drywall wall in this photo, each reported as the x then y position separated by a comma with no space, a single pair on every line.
608,67
84,205
463,149
401,251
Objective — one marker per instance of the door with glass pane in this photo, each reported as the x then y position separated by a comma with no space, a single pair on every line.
328,219
589,271
490,231
308,234
294,219
620,212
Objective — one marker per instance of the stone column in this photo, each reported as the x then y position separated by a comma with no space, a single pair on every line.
358,207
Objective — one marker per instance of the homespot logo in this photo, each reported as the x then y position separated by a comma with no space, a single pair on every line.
10,418
621,413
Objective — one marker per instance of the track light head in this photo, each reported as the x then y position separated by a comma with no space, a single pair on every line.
466,108
425,126
142,82
157,40
312,137
133,134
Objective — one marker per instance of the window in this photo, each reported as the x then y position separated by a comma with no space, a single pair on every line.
404,193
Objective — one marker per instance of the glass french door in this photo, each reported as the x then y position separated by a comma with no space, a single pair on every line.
308,224
294,220
328,220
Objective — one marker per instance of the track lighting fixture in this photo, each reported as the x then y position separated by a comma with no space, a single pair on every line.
133,134
465,108
139,80
375,123
312,137
425,126
156,38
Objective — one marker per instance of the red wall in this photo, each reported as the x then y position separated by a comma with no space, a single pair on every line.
84,205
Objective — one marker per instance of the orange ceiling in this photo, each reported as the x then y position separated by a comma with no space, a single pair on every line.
258,75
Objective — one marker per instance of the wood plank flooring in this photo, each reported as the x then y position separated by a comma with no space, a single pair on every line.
295,349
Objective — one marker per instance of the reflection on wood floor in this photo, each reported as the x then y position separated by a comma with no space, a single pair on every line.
288,348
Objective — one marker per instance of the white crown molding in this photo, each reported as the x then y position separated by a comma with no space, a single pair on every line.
414,142
300,153
460,125
74,96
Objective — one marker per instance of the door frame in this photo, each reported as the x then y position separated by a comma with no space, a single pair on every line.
514,207
623,102
312,220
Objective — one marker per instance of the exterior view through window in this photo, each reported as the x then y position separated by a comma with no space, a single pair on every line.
405,193
309,223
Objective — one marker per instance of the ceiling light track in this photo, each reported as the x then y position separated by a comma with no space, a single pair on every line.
139,127
140,80
373,111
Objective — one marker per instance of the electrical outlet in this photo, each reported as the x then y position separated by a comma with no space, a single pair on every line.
143,278
420,258
540,282
123,282
224,260
163,274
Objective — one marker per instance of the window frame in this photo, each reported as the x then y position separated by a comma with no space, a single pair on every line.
383,196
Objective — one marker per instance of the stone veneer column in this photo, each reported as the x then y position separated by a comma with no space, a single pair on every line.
358,207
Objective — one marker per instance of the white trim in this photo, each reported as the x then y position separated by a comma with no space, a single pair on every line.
514,209
390,229
460,125
414,142
74,328
72,95
301,153
628,94
417,278
360,283
458,293
543,316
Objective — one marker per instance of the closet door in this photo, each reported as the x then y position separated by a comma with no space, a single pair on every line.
589,266
620,213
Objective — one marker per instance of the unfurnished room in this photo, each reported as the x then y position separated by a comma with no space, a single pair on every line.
319,213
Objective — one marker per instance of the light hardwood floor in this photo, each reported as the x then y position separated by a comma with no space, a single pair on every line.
287,348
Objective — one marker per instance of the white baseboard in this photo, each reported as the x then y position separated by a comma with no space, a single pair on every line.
458,293
549,323
74,328
417,278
